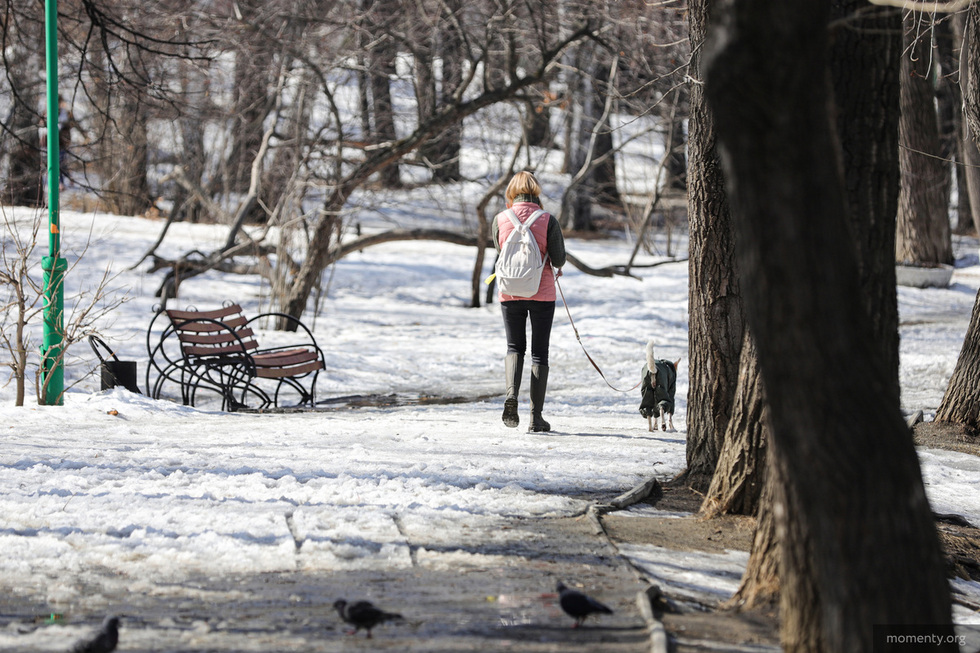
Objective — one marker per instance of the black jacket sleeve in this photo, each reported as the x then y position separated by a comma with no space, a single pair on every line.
556,243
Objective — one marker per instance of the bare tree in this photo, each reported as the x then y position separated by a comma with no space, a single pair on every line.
321,251
965,28
864,60
865,66
17,262
960,404
858,543
923,219
715,330
736,487
22,57
380,16
439,57
23,303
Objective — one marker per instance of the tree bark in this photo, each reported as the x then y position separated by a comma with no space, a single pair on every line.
126,167
576,213
677,156
23,38
967,29
193,154
865,53
760,582
961,402
857,538
254,76
537,121
716,327
606,187
970,72
971,176
382,58
741,471
443,151
923,235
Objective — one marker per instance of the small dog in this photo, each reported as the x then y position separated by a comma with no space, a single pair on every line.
659,381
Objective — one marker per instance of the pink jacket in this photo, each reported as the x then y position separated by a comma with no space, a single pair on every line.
524,210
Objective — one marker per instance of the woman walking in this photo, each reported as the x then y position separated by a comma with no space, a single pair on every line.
524,203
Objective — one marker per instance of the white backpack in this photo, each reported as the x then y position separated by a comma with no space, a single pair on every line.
520,263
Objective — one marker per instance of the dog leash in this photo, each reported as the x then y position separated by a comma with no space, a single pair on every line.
579,338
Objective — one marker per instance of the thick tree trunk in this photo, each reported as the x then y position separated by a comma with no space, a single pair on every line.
537,123
967,29
677,157
126,168
382,68
193,157
24,181
741,470
858,542
961,402
923,235
948,101
715,304
760,582
576,213
24,185
443,151
254,77
606,188
971,176
865,62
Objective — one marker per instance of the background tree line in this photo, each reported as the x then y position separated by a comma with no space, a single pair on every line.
248,112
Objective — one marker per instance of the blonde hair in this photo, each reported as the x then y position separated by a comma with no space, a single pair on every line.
523,183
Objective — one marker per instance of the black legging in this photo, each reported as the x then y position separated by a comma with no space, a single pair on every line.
542,315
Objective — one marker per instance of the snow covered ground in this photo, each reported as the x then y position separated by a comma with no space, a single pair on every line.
116,490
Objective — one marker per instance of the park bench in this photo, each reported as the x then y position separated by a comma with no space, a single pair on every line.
216,351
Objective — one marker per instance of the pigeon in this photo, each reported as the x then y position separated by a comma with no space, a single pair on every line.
104,641
579,605
363,614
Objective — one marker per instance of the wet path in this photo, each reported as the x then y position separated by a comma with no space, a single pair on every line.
503,602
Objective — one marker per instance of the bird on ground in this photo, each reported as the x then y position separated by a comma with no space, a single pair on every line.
363,614
104,641
579,605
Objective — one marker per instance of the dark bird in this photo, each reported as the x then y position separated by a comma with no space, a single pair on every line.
104,641
579,605
363,614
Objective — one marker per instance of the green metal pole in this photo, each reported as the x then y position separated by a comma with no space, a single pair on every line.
53,266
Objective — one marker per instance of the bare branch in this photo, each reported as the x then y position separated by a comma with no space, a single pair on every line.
927,7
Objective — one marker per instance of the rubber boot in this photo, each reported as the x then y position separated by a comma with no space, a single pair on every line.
513,369
539,388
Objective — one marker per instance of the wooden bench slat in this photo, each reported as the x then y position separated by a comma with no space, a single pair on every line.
285,372
199,350
205,326
215,314
283,358
220,337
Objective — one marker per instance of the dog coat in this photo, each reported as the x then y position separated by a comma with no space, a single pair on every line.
657,395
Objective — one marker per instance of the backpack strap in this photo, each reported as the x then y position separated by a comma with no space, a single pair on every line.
514,219
526,224
534,216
